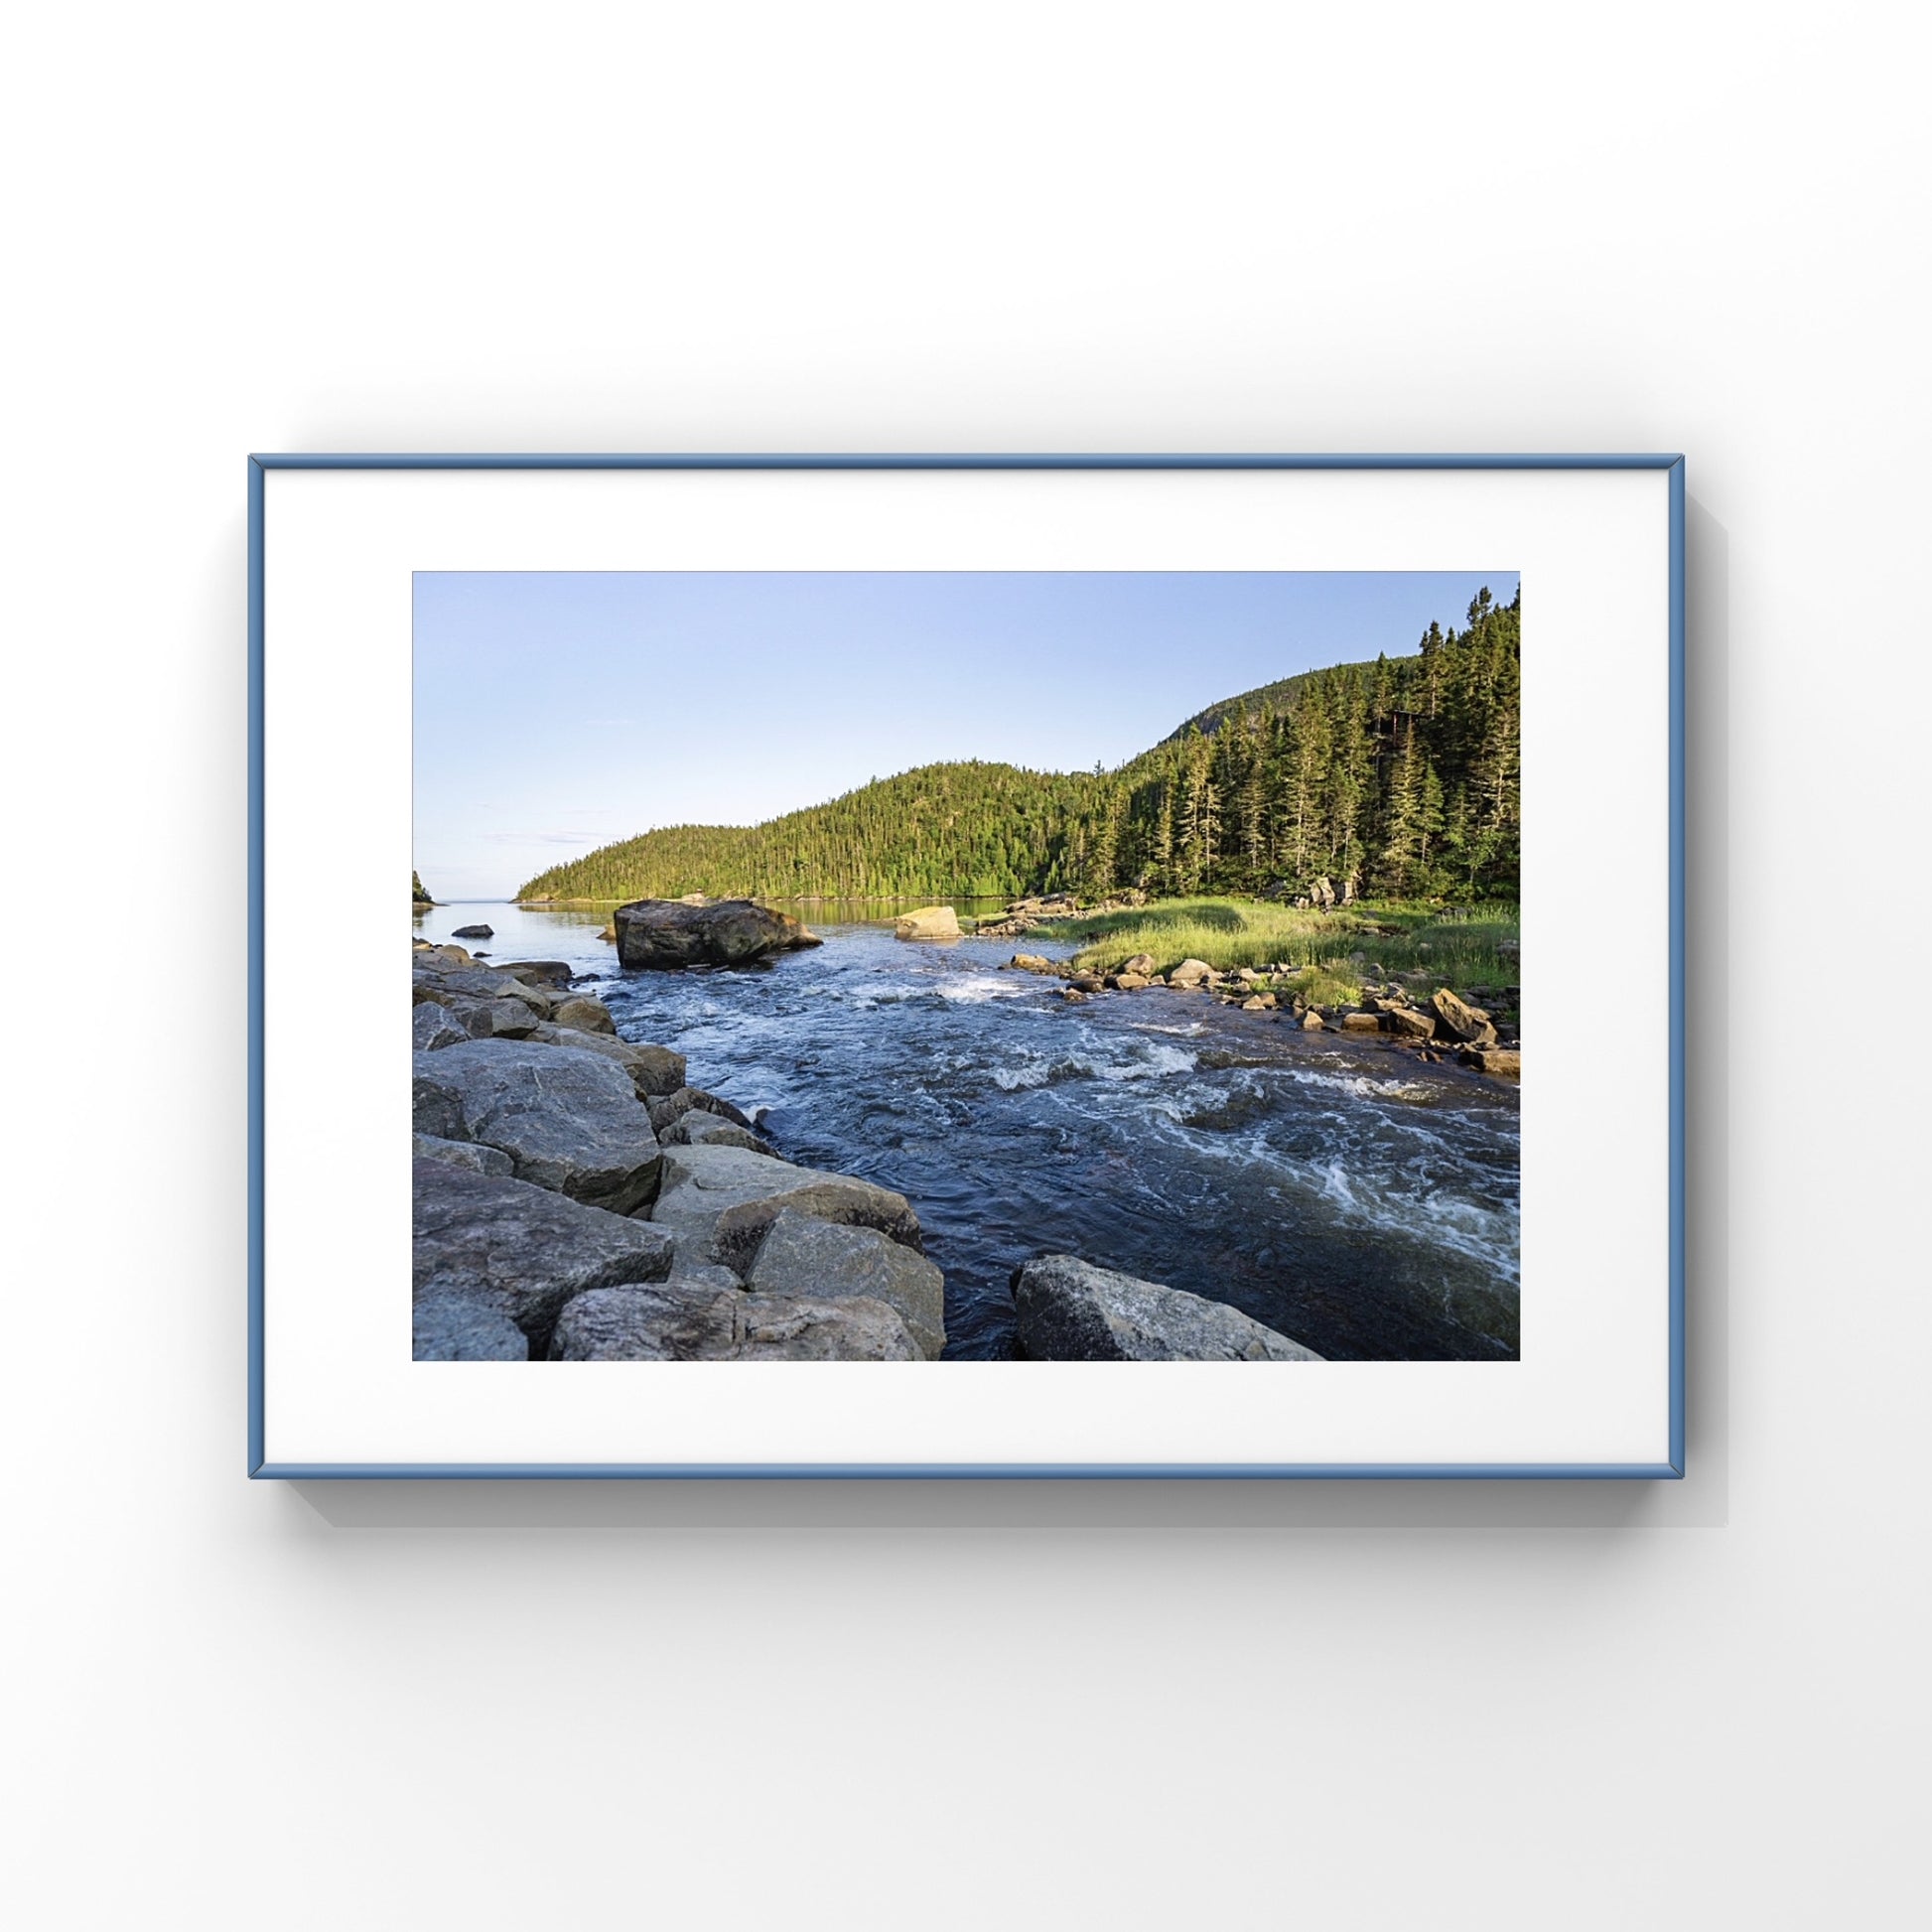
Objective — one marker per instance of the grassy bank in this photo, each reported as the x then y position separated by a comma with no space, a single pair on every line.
1455,946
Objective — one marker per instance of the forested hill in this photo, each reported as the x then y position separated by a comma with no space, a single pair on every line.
1401,777
1280,696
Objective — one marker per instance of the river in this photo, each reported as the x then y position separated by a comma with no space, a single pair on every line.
1343,1191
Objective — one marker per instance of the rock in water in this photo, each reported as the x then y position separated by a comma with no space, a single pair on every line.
815,1259
1068,1310
570,1121
1410,1022
1142,963
505,1248
1504,1063
726,1197
660,934
1192,972
928,922
472,932
1456,1021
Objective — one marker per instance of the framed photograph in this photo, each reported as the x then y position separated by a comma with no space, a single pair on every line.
1026,966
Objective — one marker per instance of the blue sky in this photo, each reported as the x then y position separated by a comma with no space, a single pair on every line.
556,711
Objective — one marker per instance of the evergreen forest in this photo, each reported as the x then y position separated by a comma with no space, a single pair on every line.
1398,778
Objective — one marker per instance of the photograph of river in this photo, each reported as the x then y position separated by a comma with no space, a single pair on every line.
1198,1042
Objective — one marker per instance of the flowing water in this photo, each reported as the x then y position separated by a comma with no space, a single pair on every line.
1343,1191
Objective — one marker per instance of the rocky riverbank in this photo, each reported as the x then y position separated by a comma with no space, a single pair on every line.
575,1199
1443,1026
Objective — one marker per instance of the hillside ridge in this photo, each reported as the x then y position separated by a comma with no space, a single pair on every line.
1400,776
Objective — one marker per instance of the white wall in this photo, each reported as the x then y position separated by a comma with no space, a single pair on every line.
991,227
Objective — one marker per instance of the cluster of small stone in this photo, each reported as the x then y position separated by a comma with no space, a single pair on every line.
1443,1025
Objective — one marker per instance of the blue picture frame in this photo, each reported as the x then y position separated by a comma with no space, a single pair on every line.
260,1468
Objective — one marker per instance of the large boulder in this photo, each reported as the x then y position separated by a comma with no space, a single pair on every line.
1142,963
472,932
652,1070
508,1249
1457,1020
927,922
1068,1310
689,1320
569,1121
660,934
1193,972
825,1262
726,1197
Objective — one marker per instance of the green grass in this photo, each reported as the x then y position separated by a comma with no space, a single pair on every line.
1333,953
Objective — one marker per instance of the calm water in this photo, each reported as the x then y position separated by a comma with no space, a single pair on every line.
1348,1195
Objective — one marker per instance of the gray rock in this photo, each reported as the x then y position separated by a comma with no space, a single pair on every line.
494,1019
1142,963
1457,1020
673,1321
569,1121
726,1197
652,1071
451,986
1408,1023
690,1263
521,1252
432,1026
697,1127
671,1106
685,1321
584,1014
466,1154
823,1262
658,933
1068,1310
791,1328
472,932
551,974
454,1328
927,922
1192,972
1502,1062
